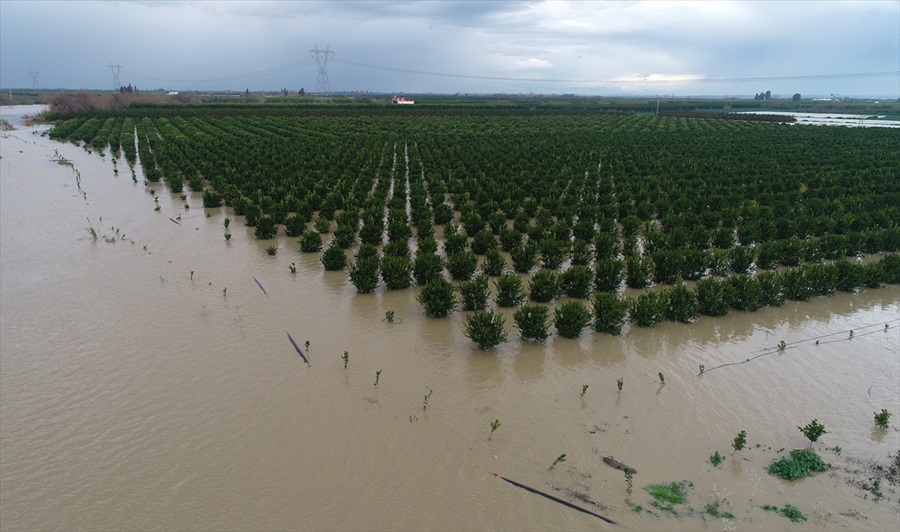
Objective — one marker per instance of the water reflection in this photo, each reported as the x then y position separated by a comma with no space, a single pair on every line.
528,363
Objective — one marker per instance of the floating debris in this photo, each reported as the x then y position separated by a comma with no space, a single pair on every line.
612,462
261,288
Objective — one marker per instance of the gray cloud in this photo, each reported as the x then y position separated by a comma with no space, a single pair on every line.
595,47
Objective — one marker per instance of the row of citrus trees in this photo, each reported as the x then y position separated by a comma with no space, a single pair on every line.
612,198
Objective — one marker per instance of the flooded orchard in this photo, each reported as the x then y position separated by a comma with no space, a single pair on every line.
147,382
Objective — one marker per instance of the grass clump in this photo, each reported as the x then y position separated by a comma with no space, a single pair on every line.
790,511
666,496
803,463
713,510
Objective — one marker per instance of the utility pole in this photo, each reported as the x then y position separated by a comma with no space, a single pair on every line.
323,90
34,78
115,69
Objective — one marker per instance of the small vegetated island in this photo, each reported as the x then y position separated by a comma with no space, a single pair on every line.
578,199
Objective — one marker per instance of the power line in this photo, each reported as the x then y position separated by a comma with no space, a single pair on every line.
646,80
258,73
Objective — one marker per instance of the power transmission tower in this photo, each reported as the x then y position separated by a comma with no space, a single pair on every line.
34,78
323,90
115,72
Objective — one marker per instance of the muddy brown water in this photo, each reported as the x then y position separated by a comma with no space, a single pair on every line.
135,397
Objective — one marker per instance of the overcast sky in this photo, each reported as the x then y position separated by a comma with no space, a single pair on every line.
592,48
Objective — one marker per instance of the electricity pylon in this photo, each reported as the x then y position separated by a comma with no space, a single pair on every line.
323,90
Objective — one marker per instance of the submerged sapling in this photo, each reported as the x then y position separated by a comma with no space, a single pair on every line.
662,378
427,397
377,377
739,441
584,388
882,419
619,382
346,358
629,479
559,459
495,424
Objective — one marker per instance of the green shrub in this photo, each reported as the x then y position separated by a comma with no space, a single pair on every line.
544,286
850,276
746,291
695,264
510,290
741,258
793,513
531,320
667,265
211,200
427,266
372,232
310,242
813,430
485,328
494,263
554,253
638,271
822,279
648,309
397,248
462,265
581,253
509,239
882,419
427,245
683,306
265,228
322,225
796,286
334,258
396,272
873,273
770,284
714,297
606,246
438,298
294,225
802,463
719,262
576,282
609,312
890,269
364,271
454,243
344,236
571,318
608,275
483,241
524,257
474,293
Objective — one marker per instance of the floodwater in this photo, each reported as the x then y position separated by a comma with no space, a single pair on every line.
146,382
833,119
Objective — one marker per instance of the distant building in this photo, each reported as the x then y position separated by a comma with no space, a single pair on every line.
401,100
